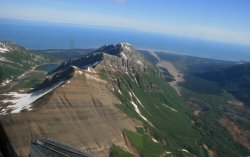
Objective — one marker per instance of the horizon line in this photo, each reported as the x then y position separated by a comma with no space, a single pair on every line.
115,28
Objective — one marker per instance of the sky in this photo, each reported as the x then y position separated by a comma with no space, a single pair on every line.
221,20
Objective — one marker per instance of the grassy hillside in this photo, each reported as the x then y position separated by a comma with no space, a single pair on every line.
168,117
209,104
30,80
16,60
210,109
235,79
64,54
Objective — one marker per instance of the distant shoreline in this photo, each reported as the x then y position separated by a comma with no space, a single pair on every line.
56,36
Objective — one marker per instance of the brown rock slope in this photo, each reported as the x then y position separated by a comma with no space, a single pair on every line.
240,135
81,112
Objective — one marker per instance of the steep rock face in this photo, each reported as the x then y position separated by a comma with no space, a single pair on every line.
123,62
81,112
123,56
120,55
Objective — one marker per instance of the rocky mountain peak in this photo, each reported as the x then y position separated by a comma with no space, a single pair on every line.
121,55
120,50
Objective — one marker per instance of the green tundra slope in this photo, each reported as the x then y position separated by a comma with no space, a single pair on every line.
222,120
15,60
166,118
235,79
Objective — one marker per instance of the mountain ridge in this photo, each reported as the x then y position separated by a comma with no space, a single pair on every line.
92,98
110,101
15,60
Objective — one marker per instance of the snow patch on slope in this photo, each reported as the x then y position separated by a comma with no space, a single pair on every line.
24,101
137,99
154,140
88,69
134,78
124,56
139,62
4,49
91,70
136,108
79,72
170,108
184,150
119,91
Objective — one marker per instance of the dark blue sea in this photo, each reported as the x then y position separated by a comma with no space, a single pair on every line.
45,35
